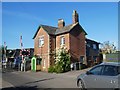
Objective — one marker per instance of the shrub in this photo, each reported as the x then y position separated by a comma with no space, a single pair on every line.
51,69
62,61
58,69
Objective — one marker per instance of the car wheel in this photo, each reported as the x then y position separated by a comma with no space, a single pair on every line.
80,85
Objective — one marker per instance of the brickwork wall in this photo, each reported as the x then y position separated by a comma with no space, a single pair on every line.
44,50
77,44
67,41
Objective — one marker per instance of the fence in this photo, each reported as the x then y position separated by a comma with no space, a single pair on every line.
113,57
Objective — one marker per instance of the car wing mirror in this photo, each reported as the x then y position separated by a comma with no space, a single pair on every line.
89,73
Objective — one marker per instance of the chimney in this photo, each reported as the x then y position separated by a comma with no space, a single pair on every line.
61,23
75,17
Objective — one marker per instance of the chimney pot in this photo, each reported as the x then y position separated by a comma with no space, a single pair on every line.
75,17
61,23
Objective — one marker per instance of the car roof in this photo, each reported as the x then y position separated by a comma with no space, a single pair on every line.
111,63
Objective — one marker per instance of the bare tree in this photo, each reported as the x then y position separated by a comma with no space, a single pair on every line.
108,47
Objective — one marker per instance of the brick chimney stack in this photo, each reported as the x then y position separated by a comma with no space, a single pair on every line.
75,17
61,23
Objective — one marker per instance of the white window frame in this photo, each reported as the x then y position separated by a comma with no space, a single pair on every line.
62,40
41,41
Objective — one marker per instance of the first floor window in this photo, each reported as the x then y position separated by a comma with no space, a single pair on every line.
62,40
41,41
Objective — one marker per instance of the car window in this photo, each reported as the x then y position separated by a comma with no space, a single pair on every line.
111,70
118,69
96,70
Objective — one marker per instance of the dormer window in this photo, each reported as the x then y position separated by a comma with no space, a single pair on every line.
41,41
62,40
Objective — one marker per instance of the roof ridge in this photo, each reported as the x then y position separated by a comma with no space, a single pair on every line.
56,31
47,25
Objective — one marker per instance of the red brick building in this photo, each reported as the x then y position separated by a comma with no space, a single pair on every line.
48,38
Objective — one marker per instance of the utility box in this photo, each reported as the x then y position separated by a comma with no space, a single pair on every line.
36,64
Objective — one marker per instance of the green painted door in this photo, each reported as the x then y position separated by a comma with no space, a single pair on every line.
33,64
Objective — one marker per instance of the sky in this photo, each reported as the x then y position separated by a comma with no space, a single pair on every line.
99,20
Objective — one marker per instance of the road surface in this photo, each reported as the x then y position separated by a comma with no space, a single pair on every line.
36,80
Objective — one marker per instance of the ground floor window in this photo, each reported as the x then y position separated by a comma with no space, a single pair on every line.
82,58
38,61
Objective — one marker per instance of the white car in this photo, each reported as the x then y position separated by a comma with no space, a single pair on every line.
104,75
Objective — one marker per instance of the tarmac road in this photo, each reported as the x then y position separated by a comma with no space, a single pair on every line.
38,80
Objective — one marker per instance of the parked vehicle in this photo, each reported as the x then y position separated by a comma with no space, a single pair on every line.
104,75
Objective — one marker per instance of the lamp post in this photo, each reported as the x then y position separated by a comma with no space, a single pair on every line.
4,56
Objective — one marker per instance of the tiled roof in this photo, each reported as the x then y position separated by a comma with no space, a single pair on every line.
56,31
49,29
65,29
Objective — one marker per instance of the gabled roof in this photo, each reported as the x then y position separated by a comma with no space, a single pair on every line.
56,31
49,29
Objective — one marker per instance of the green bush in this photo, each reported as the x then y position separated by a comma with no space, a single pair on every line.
62,61
51,69
58,69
